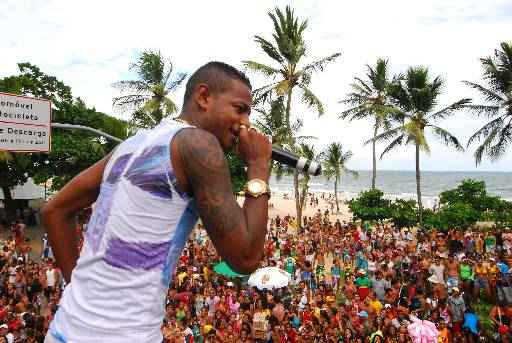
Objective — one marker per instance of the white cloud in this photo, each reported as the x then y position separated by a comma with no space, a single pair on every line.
90,45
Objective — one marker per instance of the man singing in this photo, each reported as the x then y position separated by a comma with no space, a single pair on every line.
148,195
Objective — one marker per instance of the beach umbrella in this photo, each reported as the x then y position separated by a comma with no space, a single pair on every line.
269,278
224,269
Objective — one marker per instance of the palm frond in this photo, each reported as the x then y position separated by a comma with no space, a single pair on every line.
356,113
322,63
174,84
387,135
489,129
488,111
310,99
481,149
447,138
269,49
362,86
504,139
133,85
130,101
450,110
169,106
260,68
394,144
489,95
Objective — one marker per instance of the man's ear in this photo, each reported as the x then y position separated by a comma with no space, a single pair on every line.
202,97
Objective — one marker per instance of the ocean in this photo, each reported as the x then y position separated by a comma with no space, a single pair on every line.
402,184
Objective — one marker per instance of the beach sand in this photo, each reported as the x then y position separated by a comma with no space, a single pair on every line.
284,207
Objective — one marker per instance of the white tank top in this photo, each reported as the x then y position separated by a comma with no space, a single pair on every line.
135,236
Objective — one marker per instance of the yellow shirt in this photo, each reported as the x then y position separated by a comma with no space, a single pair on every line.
207,328
181,276
316,312
205,273
493,271
377,305
481,271
443,336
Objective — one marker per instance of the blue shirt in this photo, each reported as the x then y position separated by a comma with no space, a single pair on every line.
471,322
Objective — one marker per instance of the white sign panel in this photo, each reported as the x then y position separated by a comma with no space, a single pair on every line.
25,123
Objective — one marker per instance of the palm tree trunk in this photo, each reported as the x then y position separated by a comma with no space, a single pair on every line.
374,174
418,186
303,194
297,198
336,195
288,108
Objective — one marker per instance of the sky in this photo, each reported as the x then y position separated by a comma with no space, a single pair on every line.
90,45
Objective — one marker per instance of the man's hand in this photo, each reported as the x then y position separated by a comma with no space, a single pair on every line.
253,147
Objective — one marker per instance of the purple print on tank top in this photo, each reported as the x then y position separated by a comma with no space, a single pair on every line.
135,255
150,171
100,215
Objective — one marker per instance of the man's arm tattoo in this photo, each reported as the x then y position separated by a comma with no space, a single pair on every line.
208,174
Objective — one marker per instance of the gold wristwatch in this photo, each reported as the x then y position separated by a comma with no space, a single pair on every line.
256,187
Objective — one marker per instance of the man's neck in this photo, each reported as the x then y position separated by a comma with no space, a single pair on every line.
190,119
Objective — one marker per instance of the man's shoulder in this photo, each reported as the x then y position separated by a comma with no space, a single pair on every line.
195,136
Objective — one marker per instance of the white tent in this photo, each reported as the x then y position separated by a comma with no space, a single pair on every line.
27,191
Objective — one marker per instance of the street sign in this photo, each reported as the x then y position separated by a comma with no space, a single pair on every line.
25,123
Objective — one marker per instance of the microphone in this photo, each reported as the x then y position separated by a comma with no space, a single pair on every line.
300,163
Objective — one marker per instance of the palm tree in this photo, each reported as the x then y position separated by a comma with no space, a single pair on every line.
308,151
148,96
416,96
288,51
369,98
335,165
497,133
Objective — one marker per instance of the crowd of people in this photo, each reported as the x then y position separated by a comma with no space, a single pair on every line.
30,288
348,283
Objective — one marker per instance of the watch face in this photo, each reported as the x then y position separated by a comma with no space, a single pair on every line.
255,187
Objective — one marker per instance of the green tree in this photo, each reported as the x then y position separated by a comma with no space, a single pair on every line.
370,205
473,193
457,215
148,96
71,151
369,99
335,165
416,96
237,169
404,213
288,51
496,135
15,168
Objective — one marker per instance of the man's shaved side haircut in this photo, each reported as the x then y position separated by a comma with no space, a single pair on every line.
217,75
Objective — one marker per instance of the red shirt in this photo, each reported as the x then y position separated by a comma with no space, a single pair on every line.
306,316
292,335
15,324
